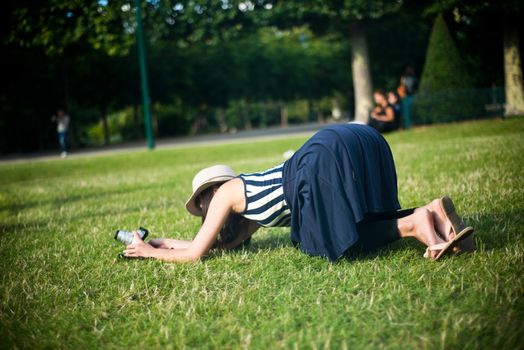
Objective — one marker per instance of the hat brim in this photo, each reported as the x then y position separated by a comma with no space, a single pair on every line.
191,206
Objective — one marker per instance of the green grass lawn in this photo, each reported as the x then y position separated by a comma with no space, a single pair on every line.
62,285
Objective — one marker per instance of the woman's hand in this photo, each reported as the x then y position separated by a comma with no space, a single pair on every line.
229,195
139,249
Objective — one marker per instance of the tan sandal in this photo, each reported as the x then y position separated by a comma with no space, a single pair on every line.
466,244
449,246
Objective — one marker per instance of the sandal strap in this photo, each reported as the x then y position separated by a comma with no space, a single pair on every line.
438,246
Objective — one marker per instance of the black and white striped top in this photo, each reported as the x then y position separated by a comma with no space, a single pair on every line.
265,202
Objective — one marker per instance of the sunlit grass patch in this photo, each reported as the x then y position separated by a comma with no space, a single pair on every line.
62,285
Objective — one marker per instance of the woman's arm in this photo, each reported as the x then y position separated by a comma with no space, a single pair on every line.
388,117
227,197
168,243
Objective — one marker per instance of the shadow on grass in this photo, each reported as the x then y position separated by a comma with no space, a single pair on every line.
258,245
493,232
34,226
382,252
271,242
68,199
29,227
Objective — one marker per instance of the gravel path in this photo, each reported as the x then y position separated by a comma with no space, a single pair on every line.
170,143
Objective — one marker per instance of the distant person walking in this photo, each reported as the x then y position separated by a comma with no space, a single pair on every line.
62,125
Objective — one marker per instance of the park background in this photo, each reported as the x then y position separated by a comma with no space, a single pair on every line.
225,66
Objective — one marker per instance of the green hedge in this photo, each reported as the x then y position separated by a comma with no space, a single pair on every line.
446,89
454,105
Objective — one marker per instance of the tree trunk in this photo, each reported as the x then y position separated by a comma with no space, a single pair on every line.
514,88
283,115
361,73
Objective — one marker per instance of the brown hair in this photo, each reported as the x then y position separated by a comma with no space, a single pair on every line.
380,92
235,224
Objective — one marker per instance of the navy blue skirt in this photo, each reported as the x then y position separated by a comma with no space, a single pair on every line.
340,175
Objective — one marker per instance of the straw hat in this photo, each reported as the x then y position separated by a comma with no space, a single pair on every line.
206,178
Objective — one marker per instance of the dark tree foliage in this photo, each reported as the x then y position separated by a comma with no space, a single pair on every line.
444,68
445,81
215,62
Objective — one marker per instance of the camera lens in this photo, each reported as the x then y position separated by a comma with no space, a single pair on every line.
126,237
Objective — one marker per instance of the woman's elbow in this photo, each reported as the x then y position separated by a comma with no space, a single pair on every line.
179,259
184,258
178,256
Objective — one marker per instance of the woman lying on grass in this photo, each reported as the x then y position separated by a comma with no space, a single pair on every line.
338,193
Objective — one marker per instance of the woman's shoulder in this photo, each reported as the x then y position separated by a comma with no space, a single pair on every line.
233,191
233,185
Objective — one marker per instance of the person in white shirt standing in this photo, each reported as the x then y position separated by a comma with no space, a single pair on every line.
62,120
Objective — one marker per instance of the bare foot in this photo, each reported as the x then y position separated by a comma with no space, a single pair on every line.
421,225
442,224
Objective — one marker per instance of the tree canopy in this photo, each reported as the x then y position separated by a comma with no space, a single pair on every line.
213,64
